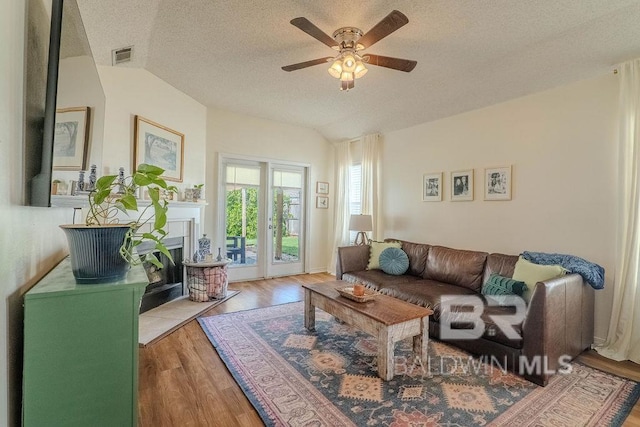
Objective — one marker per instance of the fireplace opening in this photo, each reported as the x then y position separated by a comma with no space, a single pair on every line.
165,284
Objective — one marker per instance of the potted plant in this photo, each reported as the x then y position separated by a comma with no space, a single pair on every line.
197,192
103,248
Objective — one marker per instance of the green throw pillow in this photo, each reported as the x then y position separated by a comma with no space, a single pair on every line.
375,249
499,285
530,273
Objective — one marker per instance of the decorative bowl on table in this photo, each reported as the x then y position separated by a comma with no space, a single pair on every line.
369,294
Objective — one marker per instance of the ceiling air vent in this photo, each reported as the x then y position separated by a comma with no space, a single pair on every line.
122,55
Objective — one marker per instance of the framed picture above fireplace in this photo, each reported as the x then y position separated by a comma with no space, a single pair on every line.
157,145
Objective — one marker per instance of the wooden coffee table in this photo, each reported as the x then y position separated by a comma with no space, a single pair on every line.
388,319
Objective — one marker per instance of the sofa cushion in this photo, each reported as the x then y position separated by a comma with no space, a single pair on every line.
373,279
394,261
500,264
530,273
375,249
417,253
500,285
455,266
426,293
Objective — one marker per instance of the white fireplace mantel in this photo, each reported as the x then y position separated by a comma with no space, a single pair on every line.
183,218
83,202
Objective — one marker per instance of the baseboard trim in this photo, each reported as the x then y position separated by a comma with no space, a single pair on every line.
318,270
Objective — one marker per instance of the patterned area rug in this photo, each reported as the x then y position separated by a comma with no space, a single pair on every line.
329,378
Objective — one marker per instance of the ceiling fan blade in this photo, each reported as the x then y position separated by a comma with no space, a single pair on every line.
405,65
305,25
388,25
306,64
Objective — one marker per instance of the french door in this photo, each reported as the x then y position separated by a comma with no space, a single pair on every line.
263,217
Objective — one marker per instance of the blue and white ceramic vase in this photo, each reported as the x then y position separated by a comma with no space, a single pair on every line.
204,245
204,249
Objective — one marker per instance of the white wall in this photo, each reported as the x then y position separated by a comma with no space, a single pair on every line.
231,133
562,145
30,241
130,92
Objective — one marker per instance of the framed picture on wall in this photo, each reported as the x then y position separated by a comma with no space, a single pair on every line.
322,202
160,146
432,187
322,187
497,183
462,185
71,139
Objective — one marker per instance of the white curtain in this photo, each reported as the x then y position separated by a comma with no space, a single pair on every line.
371,182
341,209
623,338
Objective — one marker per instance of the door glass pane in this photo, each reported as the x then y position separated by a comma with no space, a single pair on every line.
242,189
287,195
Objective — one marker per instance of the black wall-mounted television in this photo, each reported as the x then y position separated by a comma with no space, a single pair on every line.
40,101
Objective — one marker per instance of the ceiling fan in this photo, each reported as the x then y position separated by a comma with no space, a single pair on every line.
349,64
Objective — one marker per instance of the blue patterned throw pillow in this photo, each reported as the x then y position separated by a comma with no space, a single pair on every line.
499,285
394,261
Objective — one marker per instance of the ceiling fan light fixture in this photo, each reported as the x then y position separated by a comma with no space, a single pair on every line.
348,62
360,69
347,67
336,69
347,76
346,85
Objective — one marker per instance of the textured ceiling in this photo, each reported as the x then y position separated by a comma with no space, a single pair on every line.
470,53
73,42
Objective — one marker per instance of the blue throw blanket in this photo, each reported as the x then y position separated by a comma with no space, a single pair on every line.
592,273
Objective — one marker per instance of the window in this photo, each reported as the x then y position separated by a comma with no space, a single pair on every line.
355,194
355,187
241,215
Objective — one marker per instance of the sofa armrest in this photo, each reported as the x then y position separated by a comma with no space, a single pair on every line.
351,258
558,325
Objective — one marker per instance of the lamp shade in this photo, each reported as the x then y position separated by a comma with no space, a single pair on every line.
360,223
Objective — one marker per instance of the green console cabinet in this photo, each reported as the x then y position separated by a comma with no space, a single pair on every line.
81,350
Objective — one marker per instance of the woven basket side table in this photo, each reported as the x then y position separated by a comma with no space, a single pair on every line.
207,280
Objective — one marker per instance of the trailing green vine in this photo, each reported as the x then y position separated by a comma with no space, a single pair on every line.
112,196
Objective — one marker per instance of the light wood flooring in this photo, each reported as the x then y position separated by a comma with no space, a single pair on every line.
183,382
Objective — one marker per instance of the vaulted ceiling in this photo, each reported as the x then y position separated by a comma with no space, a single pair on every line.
471,53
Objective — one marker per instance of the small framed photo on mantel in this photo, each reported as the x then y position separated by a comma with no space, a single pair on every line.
497,183
432,187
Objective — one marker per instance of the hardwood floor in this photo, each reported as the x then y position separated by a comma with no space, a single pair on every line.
183,381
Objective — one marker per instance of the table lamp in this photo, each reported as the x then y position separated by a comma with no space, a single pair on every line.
361,224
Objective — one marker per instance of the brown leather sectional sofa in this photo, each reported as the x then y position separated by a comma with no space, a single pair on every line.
558,320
